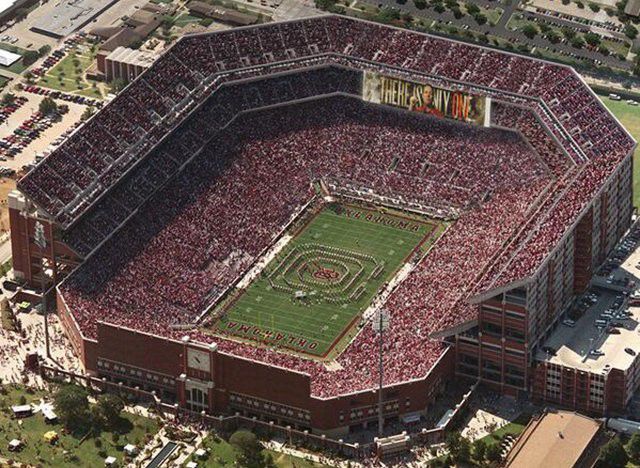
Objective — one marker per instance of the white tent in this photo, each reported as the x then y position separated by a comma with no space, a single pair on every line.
20,411
14,445
130,449
110,461
49,415
8,58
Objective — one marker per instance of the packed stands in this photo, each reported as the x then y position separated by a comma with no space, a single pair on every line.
175,188
196,66
206,227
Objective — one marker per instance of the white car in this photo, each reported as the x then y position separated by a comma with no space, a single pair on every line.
569,323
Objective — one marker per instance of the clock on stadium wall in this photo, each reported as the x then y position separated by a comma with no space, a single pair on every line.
197,359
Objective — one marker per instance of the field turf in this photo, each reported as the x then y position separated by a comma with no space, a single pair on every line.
315,289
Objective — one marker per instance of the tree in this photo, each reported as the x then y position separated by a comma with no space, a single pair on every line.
592,39
8,99
633,447
594,7
87,113
480,18
493,453
472,8
118,85
479,450
553,36
452,443
420,4
530,31
29,57
72,405
48,106
167,22
464,451
250,450
388,15
109,408
21,13
568,33
630,31
577,42
612,454
44,50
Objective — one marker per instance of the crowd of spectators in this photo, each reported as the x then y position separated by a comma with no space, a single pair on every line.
243,176
201,231
121,134
193,134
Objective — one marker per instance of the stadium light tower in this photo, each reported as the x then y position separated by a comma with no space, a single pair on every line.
41,242
380,324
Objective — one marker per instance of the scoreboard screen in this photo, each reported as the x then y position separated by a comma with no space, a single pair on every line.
424,98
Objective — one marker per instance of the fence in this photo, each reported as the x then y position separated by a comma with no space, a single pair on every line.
229,424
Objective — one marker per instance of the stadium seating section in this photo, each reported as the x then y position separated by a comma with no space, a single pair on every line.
195,183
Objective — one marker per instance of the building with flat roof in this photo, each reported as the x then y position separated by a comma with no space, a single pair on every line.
557,439
8,58
219,13
632,8
593,365
127,63
69,16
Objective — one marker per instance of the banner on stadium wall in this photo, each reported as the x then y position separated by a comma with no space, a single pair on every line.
424,98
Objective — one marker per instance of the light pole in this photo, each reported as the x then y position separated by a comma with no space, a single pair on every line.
380,324
41,242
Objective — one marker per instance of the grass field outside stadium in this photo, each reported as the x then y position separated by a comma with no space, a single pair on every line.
629,116
312,293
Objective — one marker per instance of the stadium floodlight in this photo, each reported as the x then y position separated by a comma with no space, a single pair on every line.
380,324
41,242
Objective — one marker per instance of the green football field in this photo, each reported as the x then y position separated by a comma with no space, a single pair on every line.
310,295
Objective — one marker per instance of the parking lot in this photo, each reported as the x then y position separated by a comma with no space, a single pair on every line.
45,138
602,329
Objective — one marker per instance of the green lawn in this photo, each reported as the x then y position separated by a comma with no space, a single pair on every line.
629,116
69,74
337,262
514,428
221,453
71,449
184,19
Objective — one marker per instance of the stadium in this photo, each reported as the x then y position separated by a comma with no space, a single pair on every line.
224,230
